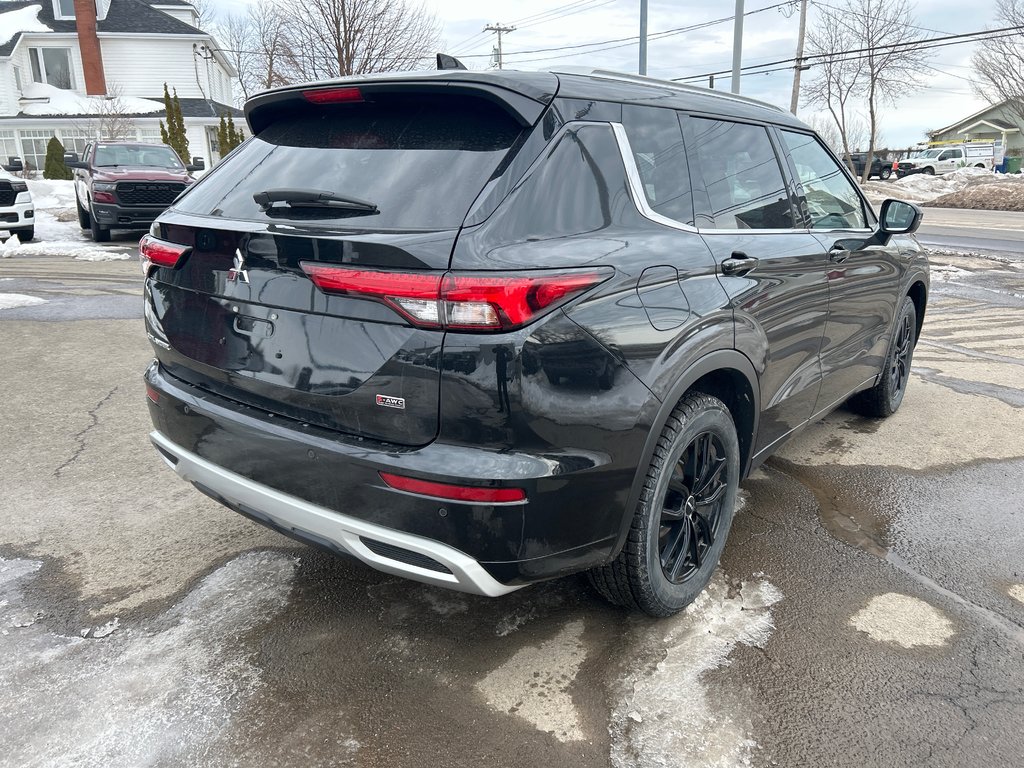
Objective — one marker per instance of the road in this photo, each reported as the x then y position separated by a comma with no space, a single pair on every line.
983,231
869,609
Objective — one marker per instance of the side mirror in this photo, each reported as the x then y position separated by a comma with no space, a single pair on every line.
198,164
899,218
70,157
14,165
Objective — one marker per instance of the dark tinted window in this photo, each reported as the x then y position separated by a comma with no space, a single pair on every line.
832,200
656,139
422,162
742,176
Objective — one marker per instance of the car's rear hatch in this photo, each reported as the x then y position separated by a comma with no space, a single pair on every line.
239,315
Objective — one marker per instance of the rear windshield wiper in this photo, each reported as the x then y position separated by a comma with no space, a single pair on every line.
311,198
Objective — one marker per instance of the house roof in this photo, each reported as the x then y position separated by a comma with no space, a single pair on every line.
124,16
198,108
999,125
973,118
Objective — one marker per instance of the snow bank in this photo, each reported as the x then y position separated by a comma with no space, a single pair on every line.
22,20
52,193
57,101
920,187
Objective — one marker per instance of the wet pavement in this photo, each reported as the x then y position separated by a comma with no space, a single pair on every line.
869,610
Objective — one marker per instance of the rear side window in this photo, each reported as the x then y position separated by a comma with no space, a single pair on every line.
741,174
832,201
421,161
656,139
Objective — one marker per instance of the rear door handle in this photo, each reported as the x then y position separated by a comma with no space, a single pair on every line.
838,254
738,264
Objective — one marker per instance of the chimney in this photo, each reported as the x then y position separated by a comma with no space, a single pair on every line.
89,45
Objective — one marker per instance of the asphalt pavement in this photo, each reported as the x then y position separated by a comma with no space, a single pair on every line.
869,609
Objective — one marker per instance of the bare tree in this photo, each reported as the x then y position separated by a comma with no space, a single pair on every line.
334,38
999,61
206,11
110,119
870,57
827,129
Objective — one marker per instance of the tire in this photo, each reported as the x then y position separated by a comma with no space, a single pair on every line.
884,399
99,233
885,174
697,446
929,171
980,165
83,216
25,235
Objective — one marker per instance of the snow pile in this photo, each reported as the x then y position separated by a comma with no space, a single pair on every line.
21,20
7,247
52,193
964,188
57,101
12,300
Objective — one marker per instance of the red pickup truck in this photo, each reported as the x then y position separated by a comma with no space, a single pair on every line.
126,185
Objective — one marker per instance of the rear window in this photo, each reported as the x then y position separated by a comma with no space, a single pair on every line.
421,162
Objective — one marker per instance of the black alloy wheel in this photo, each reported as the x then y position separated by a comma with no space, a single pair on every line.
692,508
885,397
680,524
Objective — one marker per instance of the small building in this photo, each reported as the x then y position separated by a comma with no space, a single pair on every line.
95,69
995,123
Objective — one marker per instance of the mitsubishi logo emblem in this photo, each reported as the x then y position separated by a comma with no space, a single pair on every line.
238,271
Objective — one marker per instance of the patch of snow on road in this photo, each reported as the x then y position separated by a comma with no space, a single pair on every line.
946,273
903,620
534,684
22,20
12,300
9,246
666,716
1016,592
158,693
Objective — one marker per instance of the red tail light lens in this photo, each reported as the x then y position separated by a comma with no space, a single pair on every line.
454,492
463,301
333,95
160,252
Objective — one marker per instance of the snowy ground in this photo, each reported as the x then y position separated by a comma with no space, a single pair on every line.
967,188
58,233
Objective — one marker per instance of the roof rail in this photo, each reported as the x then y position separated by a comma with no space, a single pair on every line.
607,74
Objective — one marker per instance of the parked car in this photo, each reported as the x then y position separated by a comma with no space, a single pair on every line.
17,213
126,185
481,329
879,167
947,160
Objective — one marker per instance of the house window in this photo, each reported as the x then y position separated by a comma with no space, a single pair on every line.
52,66
149,135
74,141
33,148
64,9
8,146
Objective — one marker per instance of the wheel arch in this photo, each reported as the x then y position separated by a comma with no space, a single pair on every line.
726,374
918,293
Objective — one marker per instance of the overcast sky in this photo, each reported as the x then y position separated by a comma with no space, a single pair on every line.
946,95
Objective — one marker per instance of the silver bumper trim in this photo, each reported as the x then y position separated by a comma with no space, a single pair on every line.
289,512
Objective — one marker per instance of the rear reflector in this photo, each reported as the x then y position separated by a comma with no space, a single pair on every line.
160,252
152,394
453,492
333,95
460,301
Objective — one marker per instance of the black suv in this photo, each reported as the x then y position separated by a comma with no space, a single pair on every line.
879,167
481,329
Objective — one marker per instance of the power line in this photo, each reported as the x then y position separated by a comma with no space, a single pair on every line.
923,44
551,14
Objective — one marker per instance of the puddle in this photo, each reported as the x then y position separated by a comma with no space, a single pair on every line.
1009,395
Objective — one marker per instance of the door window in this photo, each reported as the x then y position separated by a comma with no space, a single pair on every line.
741,174
832,199
656,139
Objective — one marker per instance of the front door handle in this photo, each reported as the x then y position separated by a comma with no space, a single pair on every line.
738,264
838,254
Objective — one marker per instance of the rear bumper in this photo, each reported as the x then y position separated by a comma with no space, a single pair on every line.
440,564
122,217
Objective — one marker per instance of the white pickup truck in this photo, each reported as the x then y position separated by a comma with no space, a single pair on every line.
946,159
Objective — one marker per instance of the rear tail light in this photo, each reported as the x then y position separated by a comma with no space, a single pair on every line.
153,251
333,95
469,493
464,301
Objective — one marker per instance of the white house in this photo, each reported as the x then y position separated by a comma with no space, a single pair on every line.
80,69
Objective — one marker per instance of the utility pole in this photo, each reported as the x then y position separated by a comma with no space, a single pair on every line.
737,46
711,82
500,30
643,37
799,65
